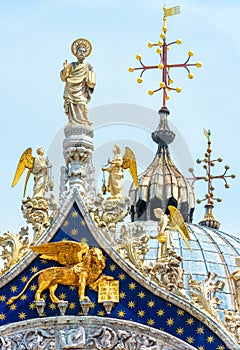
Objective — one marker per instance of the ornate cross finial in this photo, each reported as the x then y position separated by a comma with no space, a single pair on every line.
162,51
209,177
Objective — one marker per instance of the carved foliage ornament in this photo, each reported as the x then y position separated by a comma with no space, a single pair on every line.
14,247
204,293
133,245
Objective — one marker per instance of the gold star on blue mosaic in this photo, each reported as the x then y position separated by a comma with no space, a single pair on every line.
22,315
210,339
160,312
74,231
33,287
220,347
83,223
190,340
112,267
201,347
65,223
34,269
2,298
150,322
141,295
100,313
121,276
180,312
131,304
121,313
132,286
190,321
52,306
2,316
72,305
151,303
74,214
200,330
32,306
180,330
14,288
13,307
23,297
170,321
141,313
122,295
24,278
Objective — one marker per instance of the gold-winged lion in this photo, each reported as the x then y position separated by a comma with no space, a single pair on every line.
83,267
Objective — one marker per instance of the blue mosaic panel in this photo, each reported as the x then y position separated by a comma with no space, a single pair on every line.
136,302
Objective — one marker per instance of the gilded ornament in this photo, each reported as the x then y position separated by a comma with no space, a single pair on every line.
39,167
162,50
173,221
80,79
116,171
14,247
108,291
108,213
83,267
132,245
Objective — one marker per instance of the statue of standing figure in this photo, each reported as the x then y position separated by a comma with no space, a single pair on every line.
116,173
39,167
80,80
116,168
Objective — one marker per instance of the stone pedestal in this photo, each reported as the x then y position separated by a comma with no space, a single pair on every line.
77,150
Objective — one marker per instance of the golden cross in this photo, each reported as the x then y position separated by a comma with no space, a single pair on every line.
162,51
209,177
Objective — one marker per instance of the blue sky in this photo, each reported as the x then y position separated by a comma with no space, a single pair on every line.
35,40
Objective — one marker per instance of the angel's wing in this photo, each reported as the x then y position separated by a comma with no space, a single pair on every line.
158,212
26,161
129,162
177,223
65,252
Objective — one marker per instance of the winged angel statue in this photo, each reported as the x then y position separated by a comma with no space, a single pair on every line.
173,221
83,267
37,166
116,171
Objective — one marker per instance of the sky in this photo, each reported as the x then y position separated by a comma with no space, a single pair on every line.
36,37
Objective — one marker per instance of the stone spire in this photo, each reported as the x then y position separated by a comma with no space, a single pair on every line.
162,183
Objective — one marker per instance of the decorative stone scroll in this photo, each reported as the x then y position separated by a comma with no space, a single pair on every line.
14,247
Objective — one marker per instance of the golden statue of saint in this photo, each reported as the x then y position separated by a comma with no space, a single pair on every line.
80,80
